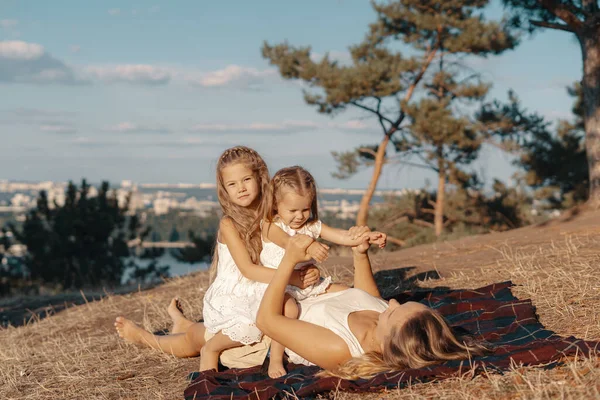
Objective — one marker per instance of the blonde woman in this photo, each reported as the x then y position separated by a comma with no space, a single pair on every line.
354,333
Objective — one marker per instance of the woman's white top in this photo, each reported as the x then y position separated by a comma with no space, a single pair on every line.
271,256
331,311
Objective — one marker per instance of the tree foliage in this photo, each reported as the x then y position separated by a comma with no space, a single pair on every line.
579,18
83,242
382,81
553,158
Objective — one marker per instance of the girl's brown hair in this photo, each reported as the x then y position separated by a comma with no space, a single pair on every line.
291,178
422,340
245,220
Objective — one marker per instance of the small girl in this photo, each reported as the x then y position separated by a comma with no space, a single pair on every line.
232,300
292,209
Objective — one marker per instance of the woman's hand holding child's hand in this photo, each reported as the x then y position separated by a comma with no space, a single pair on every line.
318,251
363,233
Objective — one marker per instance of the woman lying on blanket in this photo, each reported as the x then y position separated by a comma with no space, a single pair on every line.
355,333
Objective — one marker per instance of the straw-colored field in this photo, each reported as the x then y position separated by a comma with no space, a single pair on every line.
76,354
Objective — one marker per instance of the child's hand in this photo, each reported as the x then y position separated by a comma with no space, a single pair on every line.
378,238
309,276
318,251
356,232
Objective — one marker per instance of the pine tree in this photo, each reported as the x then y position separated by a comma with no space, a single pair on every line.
553,159
381,80
579,18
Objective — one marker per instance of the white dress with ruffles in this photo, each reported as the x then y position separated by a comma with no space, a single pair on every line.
271,256
232,300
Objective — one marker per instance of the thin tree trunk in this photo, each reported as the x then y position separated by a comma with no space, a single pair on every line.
363,210
438,219
590,46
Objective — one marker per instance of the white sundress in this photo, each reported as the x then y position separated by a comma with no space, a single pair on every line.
232,300
272,254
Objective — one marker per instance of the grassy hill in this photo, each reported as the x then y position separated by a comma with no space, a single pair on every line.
75,353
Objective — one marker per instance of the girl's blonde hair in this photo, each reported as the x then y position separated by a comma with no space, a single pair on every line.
422,340
291,178
245,220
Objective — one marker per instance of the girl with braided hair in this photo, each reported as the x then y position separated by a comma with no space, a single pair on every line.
232,300
291,208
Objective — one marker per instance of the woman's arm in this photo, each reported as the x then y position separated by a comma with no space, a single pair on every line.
363,274
230,237
330,350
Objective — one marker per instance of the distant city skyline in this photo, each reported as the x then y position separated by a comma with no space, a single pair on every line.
153,93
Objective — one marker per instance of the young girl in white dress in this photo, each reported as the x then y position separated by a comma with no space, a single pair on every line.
292,209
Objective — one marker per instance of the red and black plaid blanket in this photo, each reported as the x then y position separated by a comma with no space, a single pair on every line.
491,313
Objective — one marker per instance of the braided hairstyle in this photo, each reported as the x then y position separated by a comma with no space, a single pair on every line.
245,220
296,179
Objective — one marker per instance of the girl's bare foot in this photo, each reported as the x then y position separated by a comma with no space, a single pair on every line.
180,322
276,368
130,331
209,359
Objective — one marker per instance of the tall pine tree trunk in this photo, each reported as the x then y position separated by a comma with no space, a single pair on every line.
438,219
363,210
590,46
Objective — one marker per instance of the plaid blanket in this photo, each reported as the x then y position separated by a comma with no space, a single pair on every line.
491,313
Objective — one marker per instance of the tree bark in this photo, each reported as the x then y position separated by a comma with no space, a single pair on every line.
363,210
438,219
590,46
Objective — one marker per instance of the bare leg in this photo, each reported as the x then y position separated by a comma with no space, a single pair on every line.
186,344
180,322
209,355
276,368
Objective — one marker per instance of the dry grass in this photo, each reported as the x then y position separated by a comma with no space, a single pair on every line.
76,354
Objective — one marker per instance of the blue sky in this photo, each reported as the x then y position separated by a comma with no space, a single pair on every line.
154,91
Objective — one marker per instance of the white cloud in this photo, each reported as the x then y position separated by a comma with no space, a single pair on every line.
282,127
231,76
114,11
75,48
8,23
130,127
19,50
353,124
154,9
23,62
257,127
130,73
57,128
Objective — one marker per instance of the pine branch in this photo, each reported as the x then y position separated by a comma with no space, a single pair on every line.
422,223
397,242
549,25
565,12
357,104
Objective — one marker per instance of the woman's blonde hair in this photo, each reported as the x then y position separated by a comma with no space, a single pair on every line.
422,340
291,178
245,220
